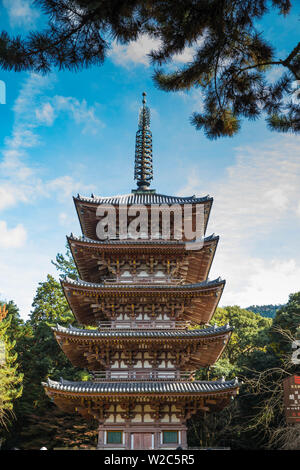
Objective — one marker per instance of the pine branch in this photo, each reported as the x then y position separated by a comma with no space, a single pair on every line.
230,64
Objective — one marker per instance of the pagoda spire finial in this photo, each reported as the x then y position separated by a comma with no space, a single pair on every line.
143,169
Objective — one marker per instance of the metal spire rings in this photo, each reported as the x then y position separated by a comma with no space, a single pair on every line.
143,169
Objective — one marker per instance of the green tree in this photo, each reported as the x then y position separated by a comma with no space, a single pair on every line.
10,377
65,264
230,64
286,325
50,305
250,333
247,349
264,381
268,311
38,421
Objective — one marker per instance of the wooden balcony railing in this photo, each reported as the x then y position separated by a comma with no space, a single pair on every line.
151,376
143,280
144,324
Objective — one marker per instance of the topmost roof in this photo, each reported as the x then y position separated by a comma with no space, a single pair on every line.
145,197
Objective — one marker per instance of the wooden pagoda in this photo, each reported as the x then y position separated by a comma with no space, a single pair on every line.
148,301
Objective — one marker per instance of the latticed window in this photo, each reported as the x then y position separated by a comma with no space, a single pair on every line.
114,437
170,437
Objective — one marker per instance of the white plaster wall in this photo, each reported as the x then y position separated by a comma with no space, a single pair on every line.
147,418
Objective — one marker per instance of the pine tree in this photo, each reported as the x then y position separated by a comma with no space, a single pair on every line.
230,64
10,378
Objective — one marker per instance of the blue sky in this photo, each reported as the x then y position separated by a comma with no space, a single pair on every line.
75,132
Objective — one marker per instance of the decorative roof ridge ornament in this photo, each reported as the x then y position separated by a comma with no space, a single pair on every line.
143,168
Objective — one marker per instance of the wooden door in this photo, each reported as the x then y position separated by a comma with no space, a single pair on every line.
142,441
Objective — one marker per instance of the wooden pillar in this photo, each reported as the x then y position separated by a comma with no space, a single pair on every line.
101,432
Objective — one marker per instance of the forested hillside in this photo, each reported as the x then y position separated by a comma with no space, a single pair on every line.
268,311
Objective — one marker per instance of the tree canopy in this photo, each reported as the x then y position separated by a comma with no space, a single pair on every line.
10,377
38,421
231,62
268,311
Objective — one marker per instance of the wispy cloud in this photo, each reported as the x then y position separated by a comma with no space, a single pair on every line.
14,170
262,189
79,111
65,186
136,52
24,181
34,109
133,53
254,202
21,13
45,114
12,238
20,275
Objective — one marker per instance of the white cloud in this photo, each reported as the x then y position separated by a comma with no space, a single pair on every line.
10,194
23,182
262,189
64,187
80,112
21,13
18,178
63,218
68,220
45,114
32,89
185,56
193,98
136,52
298,209
192,185
12,238
20,275
22,136
19,181
258,281
133,53
254,203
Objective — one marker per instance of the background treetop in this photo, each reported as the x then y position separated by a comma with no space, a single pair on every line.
231,62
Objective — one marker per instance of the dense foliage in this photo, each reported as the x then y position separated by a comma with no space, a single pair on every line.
38,421
231,61
10,377
259,353
268,311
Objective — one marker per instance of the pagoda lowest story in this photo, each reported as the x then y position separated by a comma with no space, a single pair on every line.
149,300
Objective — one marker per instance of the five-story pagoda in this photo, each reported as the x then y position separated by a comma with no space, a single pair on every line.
147,296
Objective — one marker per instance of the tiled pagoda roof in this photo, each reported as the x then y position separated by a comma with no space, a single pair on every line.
145,198
84,347
196,387
149,287
194,264
169,333
118,241
198,301
87,206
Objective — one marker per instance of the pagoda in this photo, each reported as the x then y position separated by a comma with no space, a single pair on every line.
144,303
